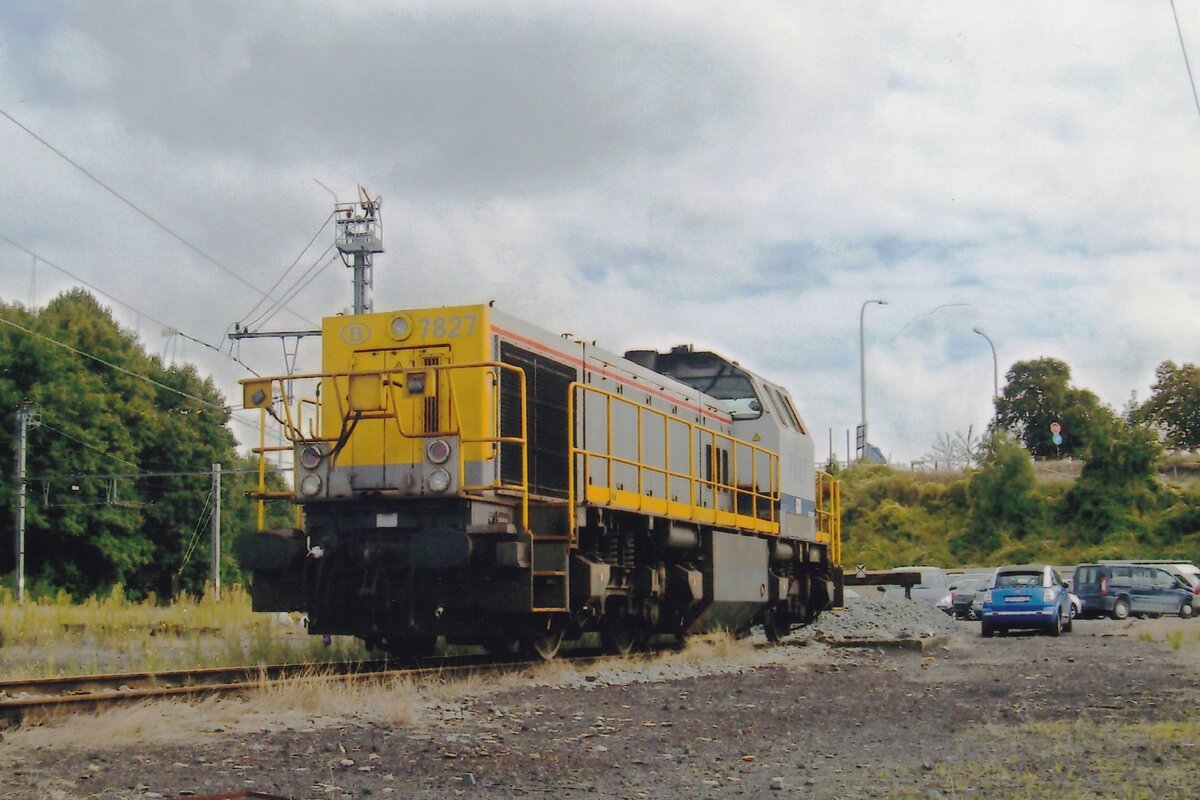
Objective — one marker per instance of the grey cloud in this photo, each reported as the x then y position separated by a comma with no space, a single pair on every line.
445,100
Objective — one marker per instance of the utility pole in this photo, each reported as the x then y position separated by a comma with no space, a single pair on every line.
27,417
861,450
216,532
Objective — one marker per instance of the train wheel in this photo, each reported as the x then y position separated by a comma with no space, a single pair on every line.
544,645
775,626
620,634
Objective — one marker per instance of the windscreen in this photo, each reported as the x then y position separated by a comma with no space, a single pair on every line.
1007,580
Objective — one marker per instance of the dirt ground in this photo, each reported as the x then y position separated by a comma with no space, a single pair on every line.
1109,710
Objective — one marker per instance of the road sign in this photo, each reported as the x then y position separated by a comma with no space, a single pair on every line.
860,570
1056,439
1055,428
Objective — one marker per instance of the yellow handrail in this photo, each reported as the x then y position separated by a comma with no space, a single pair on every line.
716,483
293,421
829,513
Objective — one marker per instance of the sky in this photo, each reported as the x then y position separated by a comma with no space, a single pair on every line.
742,177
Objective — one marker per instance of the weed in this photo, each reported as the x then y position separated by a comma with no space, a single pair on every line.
53,635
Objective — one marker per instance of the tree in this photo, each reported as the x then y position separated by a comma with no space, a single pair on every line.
1003,499
1039,392
1174,405
120,468
1118,487
954,452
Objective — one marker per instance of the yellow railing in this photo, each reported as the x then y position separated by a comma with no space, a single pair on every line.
829,514
601,490
293,420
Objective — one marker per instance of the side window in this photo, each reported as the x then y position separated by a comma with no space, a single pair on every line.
777,406
1163,579
1142,577
1121,575
792,415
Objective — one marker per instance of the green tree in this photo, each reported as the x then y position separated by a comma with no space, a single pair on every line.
120,468
1118,489
1174,405
1003,499
1039,392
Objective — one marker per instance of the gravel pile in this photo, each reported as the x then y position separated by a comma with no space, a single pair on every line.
864,618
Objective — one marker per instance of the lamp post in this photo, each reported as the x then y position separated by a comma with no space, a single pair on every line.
995,366
862,367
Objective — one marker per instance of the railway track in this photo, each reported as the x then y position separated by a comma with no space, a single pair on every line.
37,699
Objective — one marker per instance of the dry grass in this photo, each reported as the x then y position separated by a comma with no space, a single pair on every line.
313,701
55,636
1073,760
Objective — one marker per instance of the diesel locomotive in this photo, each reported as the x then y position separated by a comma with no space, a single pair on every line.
462,473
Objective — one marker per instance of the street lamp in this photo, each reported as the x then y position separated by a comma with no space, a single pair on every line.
995,366
862,366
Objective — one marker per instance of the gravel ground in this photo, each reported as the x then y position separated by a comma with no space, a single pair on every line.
1102,712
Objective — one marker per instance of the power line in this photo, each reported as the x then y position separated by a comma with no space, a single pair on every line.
125,371
162,226
1187,64
286,272
166,327
307,278
196,533
148,474
52,429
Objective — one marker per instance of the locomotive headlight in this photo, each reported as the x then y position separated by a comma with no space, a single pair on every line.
438,451
310,484
401,327
439,480
310,456
414,383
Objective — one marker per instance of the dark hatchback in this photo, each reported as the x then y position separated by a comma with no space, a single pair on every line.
962,595
1118,590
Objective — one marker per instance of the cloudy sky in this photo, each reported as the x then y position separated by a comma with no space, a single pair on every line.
741,176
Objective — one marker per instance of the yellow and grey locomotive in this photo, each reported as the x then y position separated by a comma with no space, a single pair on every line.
465,474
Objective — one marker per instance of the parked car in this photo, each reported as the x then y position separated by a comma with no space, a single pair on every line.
962,595
1183,569
1027,596
931,588
1118,589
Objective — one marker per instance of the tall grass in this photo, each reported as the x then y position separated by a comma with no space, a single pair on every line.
57,636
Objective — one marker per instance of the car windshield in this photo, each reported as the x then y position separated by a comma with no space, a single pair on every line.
1007,580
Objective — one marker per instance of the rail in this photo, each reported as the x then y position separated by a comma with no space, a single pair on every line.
719,481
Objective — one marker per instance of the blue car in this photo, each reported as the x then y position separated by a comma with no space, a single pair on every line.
1027,596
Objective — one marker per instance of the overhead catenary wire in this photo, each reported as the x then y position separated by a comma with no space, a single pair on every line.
52,429
274,286
298,286
123,370
1186,63
147,215
166,326
191,548
263,320
145,474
